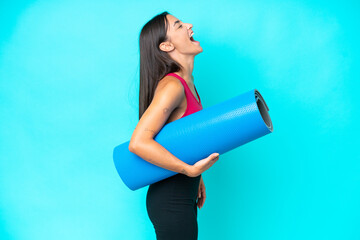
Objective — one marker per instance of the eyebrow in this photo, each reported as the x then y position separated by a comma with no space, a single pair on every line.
176,22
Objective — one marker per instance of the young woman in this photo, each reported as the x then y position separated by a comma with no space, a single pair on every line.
167,93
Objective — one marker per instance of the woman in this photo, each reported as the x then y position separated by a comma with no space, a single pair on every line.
167,93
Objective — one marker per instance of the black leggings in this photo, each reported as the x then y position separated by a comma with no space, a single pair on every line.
172,209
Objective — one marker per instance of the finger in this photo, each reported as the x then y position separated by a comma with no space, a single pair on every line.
203,192
201,202
203,197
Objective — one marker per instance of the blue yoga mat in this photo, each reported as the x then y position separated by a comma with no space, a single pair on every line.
219,128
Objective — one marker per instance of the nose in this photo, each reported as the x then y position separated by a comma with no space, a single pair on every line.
190,25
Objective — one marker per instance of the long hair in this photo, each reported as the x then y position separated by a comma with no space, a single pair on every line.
154,63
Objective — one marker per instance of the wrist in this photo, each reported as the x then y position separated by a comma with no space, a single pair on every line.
185,169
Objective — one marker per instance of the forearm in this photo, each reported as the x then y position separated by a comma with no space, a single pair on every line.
156,154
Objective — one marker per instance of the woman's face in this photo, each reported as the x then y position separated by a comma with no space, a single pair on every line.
178,34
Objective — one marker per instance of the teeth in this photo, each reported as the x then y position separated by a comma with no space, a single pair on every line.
191,34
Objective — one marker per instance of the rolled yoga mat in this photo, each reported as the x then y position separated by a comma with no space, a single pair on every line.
219,128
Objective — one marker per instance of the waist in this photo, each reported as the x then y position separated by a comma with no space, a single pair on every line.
177,185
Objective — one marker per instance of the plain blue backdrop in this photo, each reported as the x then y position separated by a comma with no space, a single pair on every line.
69,78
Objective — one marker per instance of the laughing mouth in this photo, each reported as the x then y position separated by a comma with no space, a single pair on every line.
191,38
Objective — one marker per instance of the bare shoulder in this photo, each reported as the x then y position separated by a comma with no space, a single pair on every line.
170,82
167,97
169,91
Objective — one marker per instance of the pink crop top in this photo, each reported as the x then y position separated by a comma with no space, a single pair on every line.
192,104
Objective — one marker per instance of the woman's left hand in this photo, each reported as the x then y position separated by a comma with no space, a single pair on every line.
201,194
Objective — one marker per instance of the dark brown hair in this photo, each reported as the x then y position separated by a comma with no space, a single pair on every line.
154,63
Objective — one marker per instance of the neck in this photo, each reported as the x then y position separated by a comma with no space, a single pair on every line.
188,65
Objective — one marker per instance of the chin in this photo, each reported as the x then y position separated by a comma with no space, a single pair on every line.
199,51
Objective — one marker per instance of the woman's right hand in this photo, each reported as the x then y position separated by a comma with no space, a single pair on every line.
202,165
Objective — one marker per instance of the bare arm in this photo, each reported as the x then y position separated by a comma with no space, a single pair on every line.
168,96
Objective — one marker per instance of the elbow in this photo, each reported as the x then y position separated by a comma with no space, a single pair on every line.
132,147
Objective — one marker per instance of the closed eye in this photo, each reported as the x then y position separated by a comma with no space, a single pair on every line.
180,26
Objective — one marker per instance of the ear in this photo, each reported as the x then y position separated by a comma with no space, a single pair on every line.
166,46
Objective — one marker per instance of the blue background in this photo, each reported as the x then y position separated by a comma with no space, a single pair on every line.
69,94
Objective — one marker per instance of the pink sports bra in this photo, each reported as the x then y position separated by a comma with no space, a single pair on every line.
192,104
